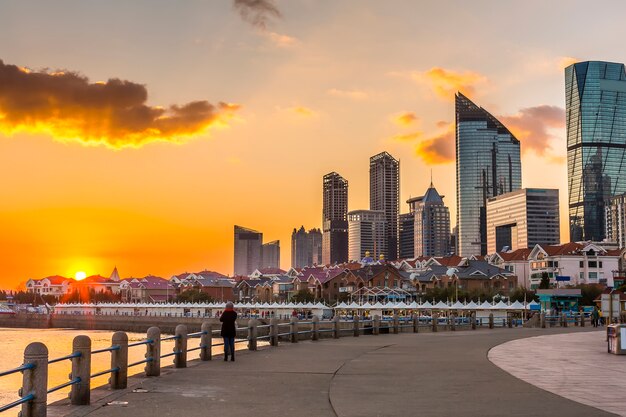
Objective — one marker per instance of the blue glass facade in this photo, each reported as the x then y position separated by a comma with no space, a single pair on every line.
595,99
487,164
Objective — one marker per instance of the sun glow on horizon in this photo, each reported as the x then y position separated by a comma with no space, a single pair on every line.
80,275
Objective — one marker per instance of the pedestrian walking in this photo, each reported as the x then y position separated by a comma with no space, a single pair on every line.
229,330
595,317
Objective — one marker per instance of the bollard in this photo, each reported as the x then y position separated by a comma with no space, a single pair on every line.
293,330
206,341
396,324
473,320
376,325
35,380
81,368
336,327
416,323
153,352
315,334
453,323
355,323
542,319
180,346
252,323
491,320
582,319
119,360
510,321
274,331
434,319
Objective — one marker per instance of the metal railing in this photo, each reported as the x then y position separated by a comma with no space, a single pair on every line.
34,391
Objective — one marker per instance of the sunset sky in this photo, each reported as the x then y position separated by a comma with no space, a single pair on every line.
136,134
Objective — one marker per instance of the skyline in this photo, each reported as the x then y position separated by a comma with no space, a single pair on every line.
342,81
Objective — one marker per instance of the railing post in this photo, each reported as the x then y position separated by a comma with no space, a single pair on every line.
315,334
81,368
491,320
35,380
376,325
473,320
293,329
153,352
119,360
206,341
252,323
180,346
274,331
582,319
416,323
336,327
434,319
542,319
355,325
396,324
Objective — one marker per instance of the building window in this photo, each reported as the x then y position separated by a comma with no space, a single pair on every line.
600,264
592,264
581,264
593,275
581,275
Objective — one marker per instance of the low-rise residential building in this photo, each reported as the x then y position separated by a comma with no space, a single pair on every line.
54,285
149,289
216,285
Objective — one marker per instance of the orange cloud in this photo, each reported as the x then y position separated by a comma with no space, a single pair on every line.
445,83
406,118
566,61
353,94
408,137
282,41
302,111
68,107
533,125
438,149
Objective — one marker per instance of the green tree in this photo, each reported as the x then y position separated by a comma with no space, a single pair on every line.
193,296
521,293
303,296
589,293
545,281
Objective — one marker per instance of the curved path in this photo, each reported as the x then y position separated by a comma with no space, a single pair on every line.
425,374
573,365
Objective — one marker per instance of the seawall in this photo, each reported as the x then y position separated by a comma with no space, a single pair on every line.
136,324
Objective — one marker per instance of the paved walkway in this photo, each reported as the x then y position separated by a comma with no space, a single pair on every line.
425,374
581,370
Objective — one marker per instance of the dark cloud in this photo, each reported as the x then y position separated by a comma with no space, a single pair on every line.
113,113
257,12
532,126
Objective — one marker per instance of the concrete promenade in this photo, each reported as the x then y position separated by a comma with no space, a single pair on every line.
425,374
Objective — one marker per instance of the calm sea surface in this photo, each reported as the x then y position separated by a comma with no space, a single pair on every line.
59,343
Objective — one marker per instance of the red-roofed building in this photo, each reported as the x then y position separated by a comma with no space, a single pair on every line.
149,289
55,285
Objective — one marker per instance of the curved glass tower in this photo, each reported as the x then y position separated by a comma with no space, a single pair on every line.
595,100
487,164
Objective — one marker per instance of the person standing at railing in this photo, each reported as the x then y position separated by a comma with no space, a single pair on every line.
229,330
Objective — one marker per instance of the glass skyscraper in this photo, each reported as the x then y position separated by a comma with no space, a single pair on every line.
487,164
595,100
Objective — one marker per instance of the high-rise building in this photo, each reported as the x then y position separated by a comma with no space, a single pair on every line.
595,115
432,224
335,219
487,164
385,196
270,254
366,233
406,236
522,219
248,245
616,220
306,247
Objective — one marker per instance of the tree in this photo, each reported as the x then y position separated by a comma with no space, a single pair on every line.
545,281
522,293
589,292
193,296
303,296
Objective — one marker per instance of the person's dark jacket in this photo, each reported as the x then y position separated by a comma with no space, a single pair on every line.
229,326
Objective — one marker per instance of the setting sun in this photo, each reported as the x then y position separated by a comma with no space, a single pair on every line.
80,275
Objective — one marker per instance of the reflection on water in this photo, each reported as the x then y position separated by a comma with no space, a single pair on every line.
59,343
